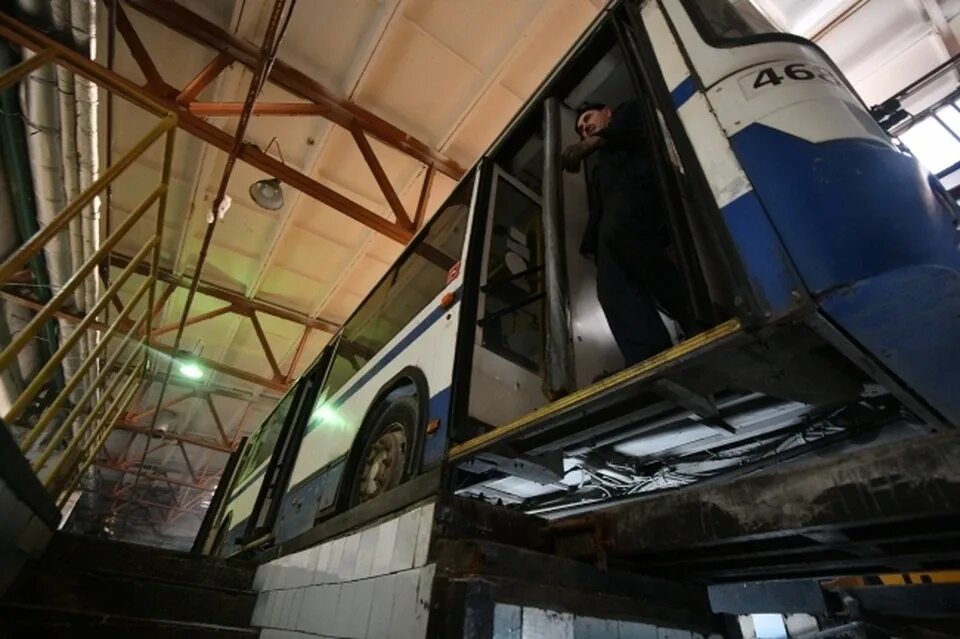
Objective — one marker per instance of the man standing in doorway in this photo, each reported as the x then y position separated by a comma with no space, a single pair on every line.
625,228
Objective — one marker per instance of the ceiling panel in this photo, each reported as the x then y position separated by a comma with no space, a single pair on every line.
325,36
479,32
417,83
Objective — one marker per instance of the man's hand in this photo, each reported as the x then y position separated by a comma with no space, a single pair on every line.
573,155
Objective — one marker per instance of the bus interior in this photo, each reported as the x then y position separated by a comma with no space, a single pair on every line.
748,400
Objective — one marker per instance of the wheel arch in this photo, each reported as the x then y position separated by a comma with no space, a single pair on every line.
410,377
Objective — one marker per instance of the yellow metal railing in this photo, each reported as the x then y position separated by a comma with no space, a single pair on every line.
78,438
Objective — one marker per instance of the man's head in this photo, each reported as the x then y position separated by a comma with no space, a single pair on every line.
592,117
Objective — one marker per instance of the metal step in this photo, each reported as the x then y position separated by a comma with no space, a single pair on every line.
130,595
23,621
90,554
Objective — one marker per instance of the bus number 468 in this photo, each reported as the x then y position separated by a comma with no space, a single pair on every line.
794,71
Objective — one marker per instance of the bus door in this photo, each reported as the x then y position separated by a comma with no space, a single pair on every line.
508,357
277,476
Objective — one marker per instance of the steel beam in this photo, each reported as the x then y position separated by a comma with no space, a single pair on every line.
203,79
165,99
193,319
217,421
135,45
241,304
424,197
337,109
253,156
232,109
277,384
153,504
298,354
200,442
389,193
265,345
120,467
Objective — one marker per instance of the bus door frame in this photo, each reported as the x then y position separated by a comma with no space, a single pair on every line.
280,466
495,174
638,43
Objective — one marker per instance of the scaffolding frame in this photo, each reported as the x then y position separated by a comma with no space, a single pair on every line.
111,389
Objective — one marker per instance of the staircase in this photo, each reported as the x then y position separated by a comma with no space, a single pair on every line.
86,587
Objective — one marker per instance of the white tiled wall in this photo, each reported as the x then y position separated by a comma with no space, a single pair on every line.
516,622
372,583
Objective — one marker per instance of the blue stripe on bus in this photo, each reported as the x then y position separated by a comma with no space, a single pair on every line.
683,91
388,357
394,352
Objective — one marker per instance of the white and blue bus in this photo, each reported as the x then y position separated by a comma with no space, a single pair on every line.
820,275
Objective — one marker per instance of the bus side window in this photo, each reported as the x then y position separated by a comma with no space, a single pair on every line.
415,281
264,440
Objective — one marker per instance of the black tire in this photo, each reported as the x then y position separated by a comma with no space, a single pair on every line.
384,460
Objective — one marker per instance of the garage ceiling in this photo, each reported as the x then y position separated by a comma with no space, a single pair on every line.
450,74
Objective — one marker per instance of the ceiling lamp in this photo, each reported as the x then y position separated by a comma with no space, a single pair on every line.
188,362
267,193
191,370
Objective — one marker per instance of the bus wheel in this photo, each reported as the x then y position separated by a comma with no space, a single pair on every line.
386,453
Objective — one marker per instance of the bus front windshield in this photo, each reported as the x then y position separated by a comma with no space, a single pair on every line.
733,19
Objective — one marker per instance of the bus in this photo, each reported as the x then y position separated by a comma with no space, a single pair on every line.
819,267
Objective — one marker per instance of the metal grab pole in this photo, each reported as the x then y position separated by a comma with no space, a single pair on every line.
558,376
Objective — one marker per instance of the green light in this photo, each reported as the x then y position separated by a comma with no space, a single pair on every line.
323,414
190,370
